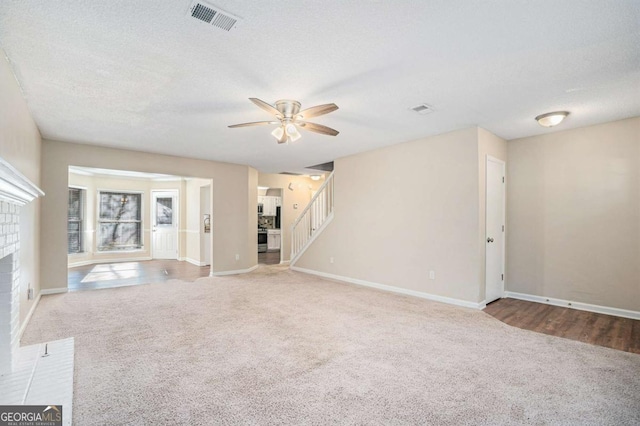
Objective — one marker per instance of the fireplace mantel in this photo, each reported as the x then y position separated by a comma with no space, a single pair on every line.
15,187
28,376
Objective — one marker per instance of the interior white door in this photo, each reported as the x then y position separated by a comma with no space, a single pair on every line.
165,224
495,236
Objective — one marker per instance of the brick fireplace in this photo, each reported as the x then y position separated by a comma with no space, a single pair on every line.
15,191
28,376
9,287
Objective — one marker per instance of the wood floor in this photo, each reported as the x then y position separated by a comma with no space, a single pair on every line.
109,275
598,329
121,274
269,258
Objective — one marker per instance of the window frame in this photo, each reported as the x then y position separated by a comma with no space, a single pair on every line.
81,221
99,221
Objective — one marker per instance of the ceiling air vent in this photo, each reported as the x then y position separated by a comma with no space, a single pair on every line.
213,15
422,109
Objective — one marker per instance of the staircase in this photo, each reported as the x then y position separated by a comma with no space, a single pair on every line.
313,219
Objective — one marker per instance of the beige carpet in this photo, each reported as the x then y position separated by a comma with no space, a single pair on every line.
279,347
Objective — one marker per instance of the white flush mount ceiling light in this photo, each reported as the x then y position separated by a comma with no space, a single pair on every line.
290,118
315,177
551,119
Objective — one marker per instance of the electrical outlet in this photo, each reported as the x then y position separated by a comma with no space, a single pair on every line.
432,275
237,257
331,260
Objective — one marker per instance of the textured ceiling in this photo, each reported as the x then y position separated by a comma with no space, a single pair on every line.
144,75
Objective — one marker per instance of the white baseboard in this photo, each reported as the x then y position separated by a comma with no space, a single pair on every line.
239,271
24,324
285,262
385,287
81,263
95,261
575,305
58,290
193,261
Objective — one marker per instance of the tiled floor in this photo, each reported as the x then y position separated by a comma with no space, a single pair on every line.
37,379
107,275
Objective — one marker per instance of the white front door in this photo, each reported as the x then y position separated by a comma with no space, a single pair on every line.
494,235
164,232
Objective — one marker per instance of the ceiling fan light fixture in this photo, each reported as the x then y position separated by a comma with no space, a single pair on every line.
289,117
278,132
292,132
551,119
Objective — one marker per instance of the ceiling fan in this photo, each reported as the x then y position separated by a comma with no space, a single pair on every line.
290,118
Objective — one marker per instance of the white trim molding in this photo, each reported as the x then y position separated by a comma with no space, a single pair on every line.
15,187
617,312
81,263
58,290
24,324
236,272
193,261
393,289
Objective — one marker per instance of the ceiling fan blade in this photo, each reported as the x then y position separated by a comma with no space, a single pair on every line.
265,106
255,123
317,110
318,128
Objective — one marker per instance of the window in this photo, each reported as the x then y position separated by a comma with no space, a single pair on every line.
119,221
75,221
164,211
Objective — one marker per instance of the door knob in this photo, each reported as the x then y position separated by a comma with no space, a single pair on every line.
489,240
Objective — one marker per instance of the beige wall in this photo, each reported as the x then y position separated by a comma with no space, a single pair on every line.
574,215
488,145
197,204
230,191
300,194
252,220
205,208
403,210
20,145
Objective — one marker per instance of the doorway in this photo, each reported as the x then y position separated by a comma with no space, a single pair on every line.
164,220
111,220
270,225
494,229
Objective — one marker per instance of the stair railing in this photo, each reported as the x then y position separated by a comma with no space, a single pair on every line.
313,219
